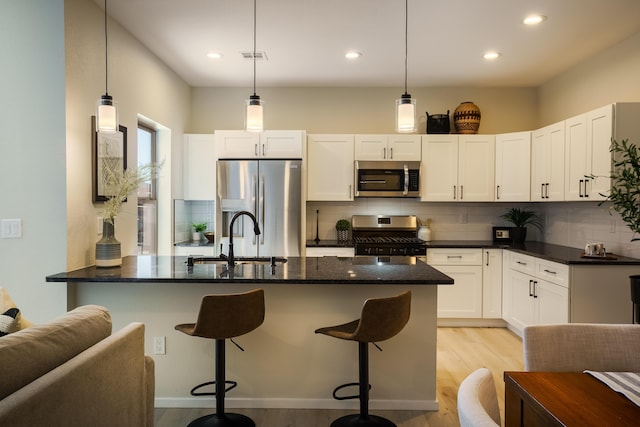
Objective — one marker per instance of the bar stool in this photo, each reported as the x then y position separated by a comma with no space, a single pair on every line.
223,317
381,319
635,298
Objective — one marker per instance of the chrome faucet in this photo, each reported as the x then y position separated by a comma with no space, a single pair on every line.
256,229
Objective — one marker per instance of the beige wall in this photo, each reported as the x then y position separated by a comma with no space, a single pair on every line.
611,76
358,110
143,86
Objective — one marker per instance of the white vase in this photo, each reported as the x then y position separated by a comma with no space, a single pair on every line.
196,236
424,233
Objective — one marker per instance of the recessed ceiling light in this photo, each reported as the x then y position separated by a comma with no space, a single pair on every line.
492,55
352,55
214,55
534,19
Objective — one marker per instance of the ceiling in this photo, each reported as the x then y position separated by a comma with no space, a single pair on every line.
305,40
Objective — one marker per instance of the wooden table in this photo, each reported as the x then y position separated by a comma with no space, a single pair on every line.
564,399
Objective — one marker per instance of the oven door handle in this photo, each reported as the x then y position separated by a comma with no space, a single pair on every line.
373,181
406,180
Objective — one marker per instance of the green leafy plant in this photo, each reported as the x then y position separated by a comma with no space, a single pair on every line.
522,218
343,225
199,227
625,184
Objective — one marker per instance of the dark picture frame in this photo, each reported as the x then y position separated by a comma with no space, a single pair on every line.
106,147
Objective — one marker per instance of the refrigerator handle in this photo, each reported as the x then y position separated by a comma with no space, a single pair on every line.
254,197
262,210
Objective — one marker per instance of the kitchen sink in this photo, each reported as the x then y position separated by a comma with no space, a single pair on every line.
238,260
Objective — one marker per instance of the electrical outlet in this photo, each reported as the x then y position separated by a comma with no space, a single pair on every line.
11,229
159,345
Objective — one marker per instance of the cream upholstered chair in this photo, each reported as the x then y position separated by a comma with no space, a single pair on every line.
577,347
478,400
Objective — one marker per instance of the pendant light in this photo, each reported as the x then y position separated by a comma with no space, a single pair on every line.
106,114
253,118
405,106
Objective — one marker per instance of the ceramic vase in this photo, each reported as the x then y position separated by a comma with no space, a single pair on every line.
466,118
108,252
342,235
518,235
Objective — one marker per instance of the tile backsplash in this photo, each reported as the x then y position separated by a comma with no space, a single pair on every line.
187,212
571,224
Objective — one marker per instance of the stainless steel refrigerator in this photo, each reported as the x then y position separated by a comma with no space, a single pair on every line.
269,189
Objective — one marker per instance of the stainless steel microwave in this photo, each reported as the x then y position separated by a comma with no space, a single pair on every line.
387,179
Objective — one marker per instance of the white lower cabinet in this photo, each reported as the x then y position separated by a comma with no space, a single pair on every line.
194,250
492,283
463,299
536,291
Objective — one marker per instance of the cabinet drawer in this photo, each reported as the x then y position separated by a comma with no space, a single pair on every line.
327,251
553,272
454,256
522,263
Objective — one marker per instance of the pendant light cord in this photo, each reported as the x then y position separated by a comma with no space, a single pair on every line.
254,47
106,52
406,41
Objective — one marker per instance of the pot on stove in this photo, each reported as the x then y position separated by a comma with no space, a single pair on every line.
438,123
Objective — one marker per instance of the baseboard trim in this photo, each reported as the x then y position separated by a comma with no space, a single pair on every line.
471,323
202,402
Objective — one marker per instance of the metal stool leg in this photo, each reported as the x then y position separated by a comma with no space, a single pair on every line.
363,419
220,418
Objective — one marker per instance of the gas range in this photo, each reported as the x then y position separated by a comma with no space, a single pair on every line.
387,235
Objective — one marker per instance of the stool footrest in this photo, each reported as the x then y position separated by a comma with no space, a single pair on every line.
194,392
340,387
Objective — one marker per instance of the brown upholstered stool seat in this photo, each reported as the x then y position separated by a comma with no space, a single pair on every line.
223,317
381,319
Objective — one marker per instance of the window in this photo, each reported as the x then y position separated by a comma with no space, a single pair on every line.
147,201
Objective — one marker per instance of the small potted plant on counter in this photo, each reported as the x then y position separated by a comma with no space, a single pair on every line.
342,230
197,231
520,218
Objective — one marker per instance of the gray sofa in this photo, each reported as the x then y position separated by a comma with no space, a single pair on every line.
75,372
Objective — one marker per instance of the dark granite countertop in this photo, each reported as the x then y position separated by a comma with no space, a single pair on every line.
297,270
550,252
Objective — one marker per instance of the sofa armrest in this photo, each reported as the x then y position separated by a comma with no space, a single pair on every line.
106,385
150,381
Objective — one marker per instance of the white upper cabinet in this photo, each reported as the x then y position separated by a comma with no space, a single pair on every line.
282,144
387,147
458,167
199,162
330,167
513,167
587,142
547,163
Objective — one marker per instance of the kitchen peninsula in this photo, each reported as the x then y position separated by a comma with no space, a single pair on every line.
285,364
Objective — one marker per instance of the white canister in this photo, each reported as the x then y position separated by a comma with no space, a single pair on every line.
424,233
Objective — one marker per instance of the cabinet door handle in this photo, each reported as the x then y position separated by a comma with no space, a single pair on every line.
350,192
586,194
487,258
535,285
546,190
384,153
521,263
542,191
263,149
454,256
580,188
255,149
549,271
497,192
530,285
454,192
461,192
391,151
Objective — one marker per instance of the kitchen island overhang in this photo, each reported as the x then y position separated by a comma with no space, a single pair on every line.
285,365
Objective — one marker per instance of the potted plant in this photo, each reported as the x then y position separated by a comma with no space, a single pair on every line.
118,185
198,228
520,218
342,230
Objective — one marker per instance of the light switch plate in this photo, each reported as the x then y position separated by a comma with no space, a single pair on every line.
11,229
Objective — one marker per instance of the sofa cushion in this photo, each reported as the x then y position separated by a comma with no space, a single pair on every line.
6,303
32,352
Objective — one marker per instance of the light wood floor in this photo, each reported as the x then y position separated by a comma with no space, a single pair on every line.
460,352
